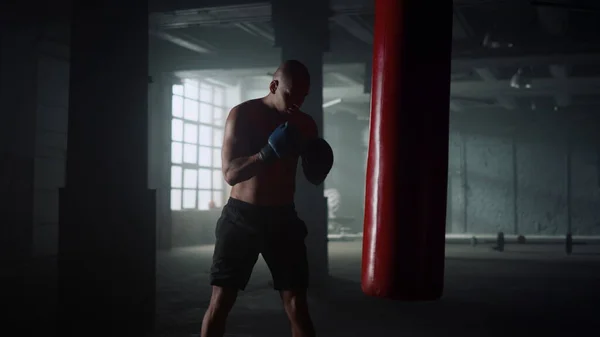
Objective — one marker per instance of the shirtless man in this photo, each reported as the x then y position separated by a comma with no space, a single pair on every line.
263,140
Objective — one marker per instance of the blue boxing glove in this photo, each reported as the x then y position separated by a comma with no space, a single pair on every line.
317,160
281,143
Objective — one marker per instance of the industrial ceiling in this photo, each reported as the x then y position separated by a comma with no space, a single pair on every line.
506,54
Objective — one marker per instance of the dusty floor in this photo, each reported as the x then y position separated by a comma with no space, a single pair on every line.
528,290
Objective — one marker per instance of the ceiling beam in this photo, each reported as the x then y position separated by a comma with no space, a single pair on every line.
455,106
345,78
355,28
488,76
540,87
253,29
248,13
469,62
474,89
252,59
508,103
182,41
460,28
244,59
157,6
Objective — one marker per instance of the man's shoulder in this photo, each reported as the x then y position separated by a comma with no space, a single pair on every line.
307,123
306,119
247,108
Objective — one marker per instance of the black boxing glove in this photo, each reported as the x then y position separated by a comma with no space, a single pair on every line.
317,160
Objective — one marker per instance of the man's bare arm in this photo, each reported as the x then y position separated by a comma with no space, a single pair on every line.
238,163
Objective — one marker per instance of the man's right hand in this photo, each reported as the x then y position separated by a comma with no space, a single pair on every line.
281,143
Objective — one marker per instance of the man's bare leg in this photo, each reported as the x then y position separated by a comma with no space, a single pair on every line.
221,302
295,304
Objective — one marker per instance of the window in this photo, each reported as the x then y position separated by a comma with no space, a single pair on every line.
198,117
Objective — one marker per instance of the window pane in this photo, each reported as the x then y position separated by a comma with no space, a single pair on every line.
190,110
217,137
204,200
191,133
219,116
204,178
218,198
205,135
177,106
175,200
216,157
218,97
176,176
190,178
190,154
206,93
205,113
189,198
178,89
177,130
191,89
217,182
176,153
204,156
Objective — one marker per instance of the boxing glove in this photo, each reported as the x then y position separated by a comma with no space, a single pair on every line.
317,160
281,143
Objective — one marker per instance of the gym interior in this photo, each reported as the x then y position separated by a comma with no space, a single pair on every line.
111,184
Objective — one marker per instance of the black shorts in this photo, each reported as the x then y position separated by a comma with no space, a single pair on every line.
245,230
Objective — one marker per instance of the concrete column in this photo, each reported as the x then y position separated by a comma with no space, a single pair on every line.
160,99
515,179
465,182
18,71
568,181
449,213
106,255
301,31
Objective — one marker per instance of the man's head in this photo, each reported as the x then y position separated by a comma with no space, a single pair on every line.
290,86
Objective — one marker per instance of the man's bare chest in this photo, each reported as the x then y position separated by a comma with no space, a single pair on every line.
262,128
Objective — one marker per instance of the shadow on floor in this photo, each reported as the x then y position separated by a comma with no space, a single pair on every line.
540,292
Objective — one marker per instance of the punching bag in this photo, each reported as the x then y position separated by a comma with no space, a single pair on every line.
407,164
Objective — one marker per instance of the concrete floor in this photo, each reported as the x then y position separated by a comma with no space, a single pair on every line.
528,290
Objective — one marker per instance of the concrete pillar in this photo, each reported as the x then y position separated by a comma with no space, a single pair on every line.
18,71
515,180
106,255
301,31
449,204
159,152
465,182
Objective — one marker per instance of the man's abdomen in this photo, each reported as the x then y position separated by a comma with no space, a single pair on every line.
265,192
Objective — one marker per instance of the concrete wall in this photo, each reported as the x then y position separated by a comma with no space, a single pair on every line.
35,83
485,160
52,101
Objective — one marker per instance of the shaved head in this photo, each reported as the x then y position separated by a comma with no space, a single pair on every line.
290,86
292,71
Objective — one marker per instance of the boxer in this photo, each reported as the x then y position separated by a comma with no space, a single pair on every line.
263,141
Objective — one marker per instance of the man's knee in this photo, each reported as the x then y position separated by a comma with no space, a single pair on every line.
222,300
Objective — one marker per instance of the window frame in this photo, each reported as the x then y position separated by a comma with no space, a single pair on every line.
179,90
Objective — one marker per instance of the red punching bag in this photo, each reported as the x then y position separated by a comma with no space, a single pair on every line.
407,165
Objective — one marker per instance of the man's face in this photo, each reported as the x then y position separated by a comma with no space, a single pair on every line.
291,95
